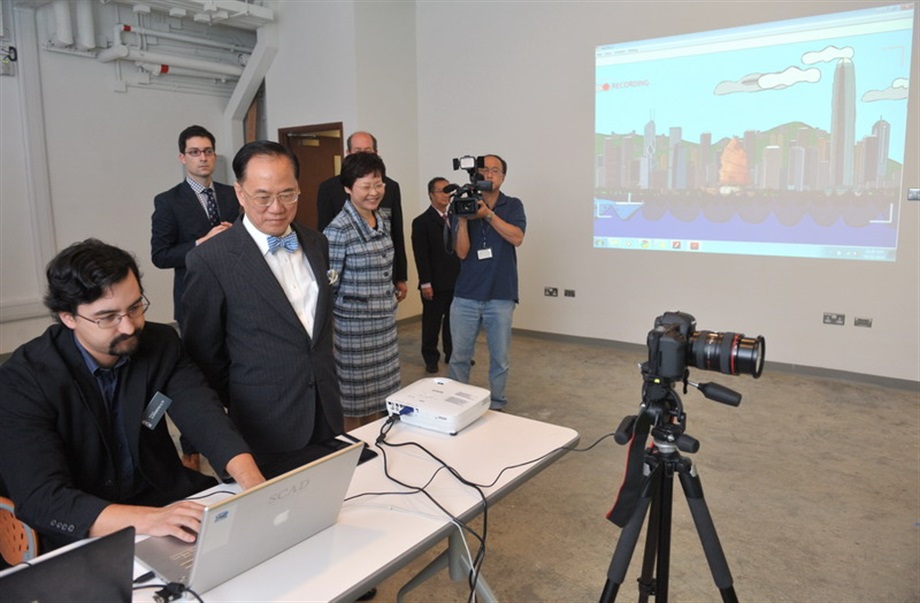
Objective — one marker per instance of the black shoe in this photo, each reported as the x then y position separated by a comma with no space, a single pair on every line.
472,362
430,368
368,595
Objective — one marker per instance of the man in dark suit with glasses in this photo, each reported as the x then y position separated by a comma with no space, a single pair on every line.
191,212
186,216
258,303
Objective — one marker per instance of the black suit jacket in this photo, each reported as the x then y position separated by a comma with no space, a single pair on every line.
56,445
330,199
178,220
433,263
248,341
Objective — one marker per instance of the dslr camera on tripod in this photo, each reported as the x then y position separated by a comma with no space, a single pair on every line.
464,200
675,343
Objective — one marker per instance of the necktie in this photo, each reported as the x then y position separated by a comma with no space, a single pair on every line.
213,216
288,241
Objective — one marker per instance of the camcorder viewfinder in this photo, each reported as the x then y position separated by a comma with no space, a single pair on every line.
464,200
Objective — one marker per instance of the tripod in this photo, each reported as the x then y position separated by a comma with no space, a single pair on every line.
662,415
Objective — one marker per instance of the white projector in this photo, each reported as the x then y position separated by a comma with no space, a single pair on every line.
439,404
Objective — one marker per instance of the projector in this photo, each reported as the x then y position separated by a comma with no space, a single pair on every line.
439,404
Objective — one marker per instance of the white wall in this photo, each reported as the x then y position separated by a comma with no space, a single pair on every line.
518,80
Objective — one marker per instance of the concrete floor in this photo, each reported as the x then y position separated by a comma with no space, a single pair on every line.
813,484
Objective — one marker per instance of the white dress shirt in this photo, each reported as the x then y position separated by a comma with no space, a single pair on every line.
294,274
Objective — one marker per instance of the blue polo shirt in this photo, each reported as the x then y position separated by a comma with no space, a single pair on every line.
495,277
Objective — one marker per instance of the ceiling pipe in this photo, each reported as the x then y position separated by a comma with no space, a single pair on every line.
166,35
86,28
130,53
63,26
158,70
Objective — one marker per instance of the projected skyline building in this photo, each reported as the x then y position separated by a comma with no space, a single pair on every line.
648,152
843,123
882,130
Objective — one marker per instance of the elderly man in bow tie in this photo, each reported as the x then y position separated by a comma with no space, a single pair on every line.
258,310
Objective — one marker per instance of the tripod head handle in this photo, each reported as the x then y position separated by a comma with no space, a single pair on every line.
718,393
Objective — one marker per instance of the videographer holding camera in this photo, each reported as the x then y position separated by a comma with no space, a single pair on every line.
487,288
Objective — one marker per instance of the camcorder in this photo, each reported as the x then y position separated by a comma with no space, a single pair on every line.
464,200
675,343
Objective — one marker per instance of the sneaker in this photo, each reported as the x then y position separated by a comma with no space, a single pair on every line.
498,405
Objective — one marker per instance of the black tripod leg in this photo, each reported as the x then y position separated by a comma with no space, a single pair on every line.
658,542
626,545
693,490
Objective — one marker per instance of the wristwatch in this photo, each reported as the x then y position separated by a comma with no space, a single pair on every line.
489,216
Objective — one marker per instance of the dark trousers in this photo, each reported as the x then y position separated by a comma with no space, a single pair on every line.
436,319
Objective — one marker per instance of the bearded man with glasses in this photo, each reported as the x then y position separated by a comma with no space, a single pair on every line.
84,448
258,305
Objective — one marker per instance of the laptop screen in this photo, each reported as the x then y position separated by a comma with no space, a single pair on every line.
94,570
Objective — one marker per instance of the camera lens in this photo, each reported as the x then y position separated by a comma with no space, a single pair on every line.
728,353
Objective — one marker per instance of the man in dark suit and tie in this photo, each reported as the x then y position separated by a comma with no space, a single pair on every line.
258,310
191,212
84,447
330,199
437,272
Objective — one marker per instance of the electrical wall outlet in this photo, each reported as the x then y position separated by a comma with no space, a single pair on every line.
862,322
830,318
550,291
569,292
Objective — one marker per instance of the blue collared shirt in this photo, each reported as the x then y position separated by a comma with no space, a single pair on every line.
107,380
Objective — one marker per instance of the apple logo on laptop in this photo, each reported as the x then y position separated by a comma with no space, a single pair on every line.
280,518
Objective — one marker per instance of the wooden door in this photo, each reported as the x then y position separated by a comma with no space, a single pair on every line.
319,149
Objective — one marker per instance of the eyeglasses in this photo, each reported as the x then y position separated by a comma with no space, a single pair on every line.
494,171
286,198
196,152
110,321
366,188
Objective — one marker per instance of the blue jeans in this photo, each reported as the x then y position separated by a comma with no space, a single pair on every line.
466,318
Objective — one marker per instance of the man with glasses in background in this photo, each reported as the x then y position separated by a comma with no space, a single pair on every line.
487,288
258,306
84,446
187,215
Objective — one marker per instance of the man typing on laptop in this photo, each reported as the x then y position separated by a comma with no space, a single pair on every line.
84,446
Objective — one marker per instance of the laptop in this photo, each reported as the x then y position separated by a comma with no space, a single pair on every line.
244,530
94,570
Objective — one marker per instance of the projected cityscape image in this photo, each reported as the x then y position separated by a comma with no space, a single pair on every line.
778,139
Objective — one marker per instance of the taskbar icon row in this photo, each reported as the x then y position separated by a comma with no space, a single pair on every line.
653,244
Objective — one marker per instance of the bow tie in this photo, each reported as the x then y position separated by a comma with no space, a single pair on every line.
289,242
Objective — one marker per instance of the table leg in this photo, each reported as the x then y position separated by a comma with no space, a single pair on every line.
455,559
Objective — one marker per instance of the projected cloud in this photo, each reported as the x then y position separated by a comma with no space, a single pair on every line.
896,91
758,82
830,53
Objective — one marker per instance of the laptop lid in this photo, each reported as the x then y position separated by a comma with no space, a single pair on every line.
94,570
244,530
